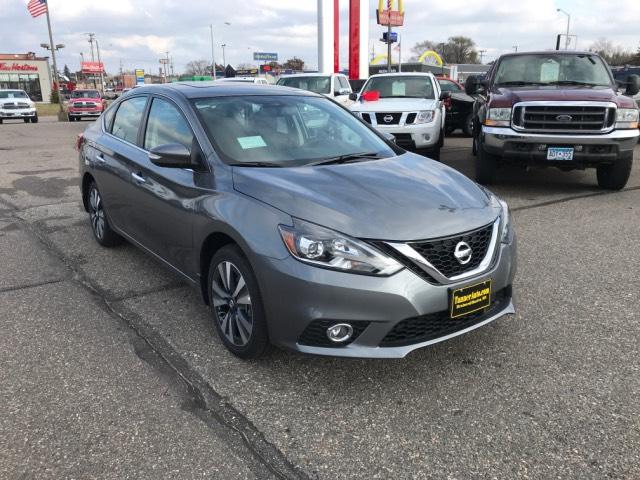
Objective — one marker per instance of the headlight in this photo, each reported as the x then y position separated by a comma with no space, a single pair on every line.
425,116
325,248
627,118
498,117
507,230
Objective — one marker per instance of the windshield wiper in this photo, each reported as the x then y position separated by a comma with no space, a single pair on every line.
573,82
351,157
256,164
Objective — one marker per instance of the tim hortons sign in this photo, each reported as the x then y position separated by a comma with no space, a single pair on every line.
17,67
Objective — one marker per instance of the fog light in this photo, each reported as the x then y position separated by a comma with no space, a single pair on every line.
340,332
427,137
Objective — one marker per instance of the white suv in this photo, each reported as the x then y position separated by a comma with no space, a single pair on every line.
407,105
332,85
17,104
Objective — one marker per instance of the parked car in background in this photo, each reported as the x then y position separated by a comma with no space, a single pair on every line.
459,107
85,103
410,106
256,80
554,108
335,85
16,104
110,93
299,224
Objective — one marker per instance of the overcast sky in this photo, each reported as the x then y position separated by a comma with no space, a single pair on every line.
137,33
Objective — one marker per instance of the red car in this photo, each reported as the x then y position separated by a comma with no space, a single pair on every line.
85,103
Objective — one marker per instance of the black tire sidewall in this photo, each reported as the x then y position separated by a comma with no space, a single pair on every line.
486,166
109,238
616,175
259,339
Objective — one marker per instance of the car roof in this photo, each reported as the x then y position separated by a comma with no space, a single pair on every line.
404,74
221,89
314,74
548,52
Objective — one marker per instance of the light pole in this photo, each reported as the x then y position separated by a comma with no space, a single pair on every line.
515,48
213,58
101,68
481,52
224,61
566,41
56,78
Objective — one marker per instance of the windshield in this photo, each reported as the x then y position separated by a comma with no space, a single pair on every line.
85,94
312,84
552,69
401,86
285,130
13,94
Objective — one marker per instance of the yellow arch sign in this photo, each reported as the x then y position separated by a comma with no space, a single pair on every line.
432,55
378,58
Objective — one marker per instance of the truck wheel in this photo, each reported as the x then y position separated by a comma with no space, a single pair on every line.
434,153
0,121
486,166
449,130
34,119
467,127
616,175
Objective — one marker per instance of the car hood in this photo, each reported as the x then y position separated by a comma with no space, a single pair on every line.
11,101
395,105
401,198
510,96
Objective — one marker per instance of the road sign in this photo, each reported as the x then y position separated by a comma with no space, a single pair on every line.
389,38
265,57
139,76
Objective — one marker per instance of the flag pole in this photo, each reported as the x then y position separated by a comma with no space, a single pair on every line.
55,65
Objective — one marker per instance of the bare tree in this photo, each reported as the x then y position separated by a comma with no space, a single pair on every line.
613,54
294,63
198,67
456,49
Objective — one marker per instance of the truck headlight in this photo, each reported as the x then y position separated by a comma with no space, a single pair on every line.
325,248
498,117
425,116
627,118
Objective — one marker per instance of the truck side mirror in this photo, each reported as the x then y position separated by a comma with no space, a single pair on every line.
473,84
633,85
353,96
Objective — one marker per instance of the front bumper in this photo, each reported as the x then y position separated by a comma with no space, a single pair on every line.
589,149
296,295
22,113
85,113
422,135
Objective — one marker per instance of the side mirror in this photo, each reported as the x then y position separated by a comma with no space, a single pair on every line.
633,85
353,96
473,84
342,91
389,136
445,95
171,155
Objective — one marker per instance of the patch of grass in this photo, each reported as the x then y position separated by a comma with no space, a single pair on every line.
47,109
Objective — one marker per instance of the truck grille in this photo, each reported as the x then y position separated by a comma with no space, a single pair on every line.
15,106
393,118
563,118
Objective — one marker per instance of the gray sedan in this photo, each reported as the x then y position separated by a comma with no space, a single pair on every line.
301,225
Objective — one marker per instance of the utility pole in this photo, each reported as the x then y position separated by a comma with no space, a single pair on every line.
224,60
93,59
481,52
101,68
389,6
166,69
515,47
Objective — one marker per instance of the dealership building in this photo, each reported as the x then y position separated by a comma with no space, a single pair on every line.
26,72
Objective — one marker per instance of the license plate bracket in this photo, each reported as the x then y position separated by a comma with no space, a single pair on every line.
469,299
564,154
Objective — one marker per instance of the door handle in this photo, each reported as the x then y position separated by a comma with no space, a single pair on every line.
100,158
138,178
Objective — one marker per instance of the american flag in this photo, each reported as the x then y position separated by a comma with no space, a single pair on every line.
37,7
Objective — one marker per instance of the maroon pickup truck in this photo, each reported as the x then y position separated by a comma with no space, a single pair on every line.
557,108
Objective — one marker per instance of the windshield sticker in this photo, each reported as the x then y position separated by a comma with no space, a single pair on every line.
251,142
398,89
549,72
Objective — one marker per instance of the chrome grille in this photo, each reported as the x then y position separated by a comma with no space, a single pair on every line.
391,118
563,118
15,106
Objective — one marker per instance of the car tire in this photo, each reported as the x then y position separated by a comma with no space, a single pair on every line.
102,231
72,119
1,121
34,119
449,130
236,305
467,127
615,175
486,166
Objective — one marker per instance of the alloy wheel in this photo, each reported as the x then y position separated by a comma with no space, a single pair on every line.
232,303
96,213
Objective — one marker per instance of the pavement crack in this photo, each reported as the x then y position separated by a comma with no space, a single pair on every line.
569,199
31,285
263,458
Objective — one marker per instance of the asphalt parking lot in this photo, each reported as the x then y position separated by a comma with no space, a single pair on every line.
110,367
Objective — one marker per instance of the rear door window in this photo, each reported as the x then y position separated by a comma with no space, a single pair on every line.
126,124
